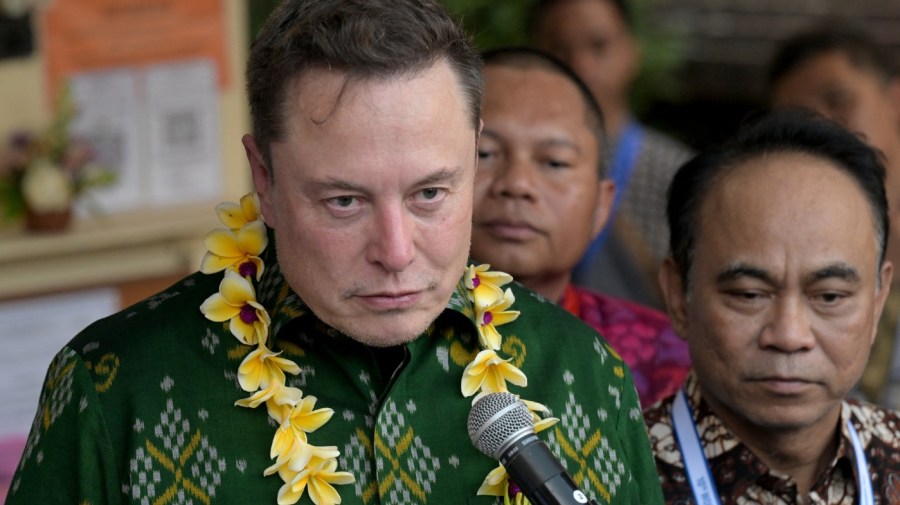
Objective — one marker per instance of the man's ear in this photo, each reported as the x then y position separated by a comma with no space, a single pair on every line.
673,290
262,178
606,193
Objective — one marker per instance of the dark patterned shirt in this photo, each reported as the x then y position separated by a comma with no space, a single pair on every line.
742,478
658,358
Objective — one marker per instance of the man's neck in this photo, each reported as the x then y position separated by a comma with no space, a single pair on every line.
550,287
801,453
616,118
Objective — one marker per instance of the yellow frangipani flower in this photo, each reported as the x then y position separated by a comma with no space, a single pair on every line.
275,391
536,408
235,216
236,302
489,373
263,367
299,452
489,317
495,483
238,250
295,421
484,285
318,475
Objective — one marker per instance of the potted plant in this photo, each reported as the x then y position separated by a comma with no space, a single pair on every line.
43,173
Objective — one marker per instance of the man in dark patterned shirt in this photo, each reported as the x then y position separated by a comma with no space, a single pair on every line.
777,279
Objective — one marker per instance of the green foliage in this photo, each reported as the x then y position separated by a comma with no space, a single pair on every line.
495,23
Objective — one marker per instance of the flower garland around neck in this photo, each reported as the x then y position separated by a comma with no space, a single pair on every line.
236,250
488,372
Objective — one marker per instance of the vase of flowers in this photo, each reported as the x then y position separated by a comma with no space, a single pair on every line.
43,173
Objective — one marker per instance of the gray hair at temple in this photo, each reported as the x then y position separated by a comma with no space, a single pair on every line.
365,39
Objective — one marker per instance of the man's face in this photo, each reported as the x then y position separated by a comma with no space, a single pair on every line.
371,201
591,37
536,191
781,309
832,85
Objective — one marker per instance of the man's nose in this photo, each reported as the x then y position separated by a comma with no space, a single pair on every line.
392,241
515,179
790,328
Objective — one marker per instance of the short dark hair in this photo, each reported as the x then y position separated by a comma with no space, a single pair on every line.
540,8
830,36
781,131
527,58
365,39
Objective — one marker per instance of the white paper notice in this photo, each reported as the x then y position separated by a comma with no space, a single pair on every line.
110,117
32,331
158,128
184,156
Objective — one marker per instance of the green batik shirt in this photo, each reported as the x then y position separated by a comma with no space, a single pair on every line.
139,407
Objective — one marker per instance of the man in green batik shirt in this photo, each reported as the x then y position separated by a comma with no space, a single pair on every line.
332,354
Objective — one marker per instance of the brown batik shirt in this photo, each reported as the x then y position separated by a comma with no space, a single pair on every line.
743,478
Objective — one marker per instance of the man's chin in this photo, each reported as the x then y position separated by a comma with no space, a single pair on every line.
398,329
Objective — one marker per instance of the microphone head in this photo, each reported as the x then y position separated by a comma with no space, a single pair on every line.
496,420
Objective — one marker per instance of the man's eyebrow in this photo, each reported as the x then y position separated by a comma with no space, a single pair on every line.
333,183
840,271
441,175
550,141
738,270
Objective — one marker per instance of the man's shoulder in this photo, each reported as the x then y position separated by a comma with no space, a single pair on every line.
154,323
876,422
538,312
613,309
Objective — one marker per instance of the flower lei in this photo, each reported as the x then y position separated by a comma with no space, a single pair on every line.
301,465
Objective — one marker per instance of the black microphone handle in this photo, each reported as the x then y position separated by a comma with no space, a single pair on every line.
537,472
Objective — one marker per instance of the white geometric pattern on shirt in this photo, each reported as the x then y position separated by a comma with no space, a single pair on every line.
61,394
587,446
404,462
59,382
172,449
358,462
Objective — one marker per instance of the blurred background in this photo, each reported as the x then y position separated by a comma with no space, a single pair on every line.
139,104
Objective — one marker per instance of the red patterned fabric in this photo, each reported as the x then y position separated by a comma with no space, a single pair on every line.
642,336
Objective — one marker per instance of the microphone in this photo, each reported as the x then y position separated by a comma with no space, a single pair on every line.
500,426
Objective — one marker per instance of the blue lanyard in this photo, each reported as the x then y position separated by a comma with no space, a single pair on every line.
621,167
697,469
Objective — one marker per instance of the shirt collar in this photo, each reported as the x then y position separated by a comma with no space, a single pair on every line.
711,427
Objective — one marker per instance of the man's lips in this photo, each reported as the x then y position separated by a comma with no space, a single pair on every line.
509,230
391,300
784,385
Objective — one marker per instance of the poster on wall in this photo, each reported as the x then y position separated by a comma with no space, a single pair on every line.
85,35
157,128
146,78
